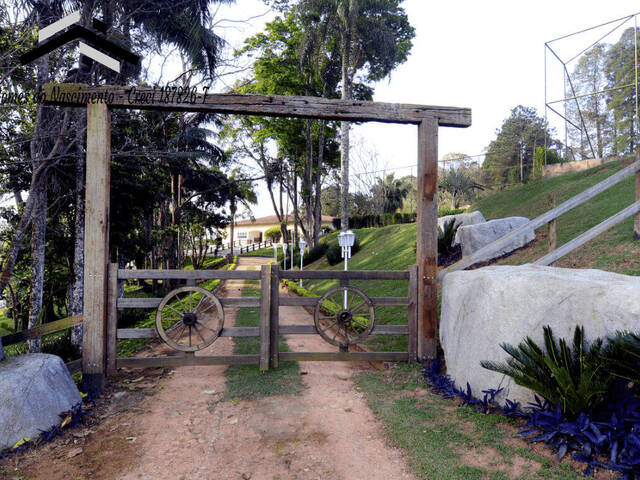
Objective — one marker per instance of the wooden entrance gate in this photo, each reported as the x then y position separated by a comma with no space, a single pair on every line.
270,327
100,100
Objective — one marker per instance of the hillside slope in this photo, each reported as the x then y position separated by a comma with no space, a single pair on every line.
614,250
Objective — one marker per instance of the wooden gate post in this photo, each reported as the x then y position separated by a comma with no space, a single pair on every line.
636,222
427,229
274,320
112,319
96,246
265,314
412,317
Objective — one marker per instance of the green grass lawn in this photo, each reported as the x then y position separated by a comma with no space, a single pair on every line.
247,382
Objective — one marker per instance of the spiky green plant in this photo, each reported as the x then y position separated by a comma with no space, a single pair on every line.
622,356
446,237
574,377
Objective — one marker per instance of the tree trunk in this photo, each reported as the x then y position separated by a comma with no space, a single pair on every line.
307,186
318,205
344,126
77,293
38,243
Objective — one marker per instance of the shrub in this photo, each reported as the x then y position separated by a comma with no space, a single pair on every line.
446,237
623,356
575,379
334,252
376,220
274,234
443,212
315,253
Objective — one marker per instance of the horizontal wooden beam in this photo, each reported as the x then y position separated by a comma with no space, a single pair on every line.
124,333
154,98
542,219
190,360
311,330
342,356
348,275
154,302
189,274
589,235
312,301
41,330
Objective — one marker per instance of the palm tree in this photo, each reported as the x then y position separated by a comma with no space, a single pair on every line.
459,184
374,36
389,193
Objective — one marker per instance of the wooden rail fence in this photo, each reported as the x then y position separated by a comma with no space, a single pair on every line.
47,328
549,218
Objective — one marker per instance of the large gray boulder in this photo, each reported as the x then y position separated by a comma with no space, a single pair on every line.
492,305
473,237
471,218
34,390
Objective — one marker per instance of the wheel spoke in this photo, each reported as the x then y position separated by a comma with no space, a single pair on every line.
327,317
353,295
190,301
355,309
361,324
180,300
179,313
189,335
346,333
198,332
181,332
208,328
200,303
328,327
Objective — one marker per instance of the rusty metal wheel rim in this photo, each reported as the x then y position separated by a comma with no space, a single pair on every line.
201,319
354,323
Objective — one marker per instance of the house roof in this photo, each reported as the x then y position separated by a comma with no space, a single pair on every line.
273,220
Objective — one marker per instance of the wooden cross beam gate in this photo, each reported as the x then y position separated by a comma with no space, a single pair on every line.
100,100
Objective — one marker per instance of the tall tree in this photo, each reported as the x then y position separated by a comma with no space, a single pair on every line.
621,100
510,156
374,37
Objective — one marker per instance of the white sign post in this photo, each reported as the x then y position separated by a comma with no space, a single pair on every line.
346,240
302,245
284,254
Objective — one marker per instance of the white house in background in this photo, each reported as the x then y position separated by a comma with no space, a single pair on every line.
252,231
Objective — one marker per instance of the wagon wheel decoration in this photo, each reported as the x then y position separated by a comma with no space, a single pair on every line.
344,316
189,318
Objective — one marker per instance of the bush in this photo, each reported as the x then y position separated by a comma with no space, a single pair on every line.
315,253
375,220
274,234
443,212
446,237
575,379
334,252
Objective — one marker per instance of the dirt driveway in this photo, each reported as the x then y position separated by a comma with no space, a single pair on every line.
177,425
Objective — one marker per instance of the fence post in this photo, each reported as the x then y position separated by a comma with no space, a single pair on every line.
552,237
412,315
427,248
265,313
112,320
96,246
274,321
636,223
